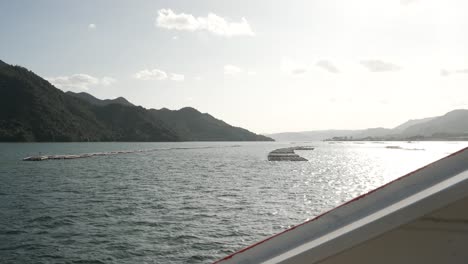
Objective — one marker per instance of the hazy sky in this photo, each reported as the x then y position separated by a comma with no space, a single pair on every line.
268,66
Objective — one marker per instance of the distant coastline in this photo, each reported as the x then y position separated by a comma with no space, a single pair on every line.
452,126
413,138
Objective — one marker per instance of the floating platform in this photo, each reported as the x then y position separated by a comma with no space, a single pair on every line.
288,154
79,156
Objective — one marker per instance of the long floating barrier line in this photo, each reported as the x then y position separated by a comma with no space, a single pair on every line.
88,155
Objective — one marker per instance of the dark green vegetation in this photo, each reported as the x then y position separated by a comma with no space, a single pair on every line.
192,125
31,109
94,101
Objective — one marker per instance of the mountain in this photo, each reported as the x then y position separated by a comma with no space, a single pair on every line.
312,135
451,126
192,125
412,122
95,101
454,123
326,134
373,132
31,109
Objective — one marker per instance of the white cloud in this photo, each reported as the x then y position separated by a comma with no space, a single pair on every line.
232,70
159,75
445,72
79,82
153,74
177,77
293,67
298,71
198,78
212,23
379,66
251,73
327,65
106,81
407,2
92,26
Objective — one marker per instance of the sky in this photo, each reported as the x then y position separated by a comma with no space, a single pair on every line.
268,66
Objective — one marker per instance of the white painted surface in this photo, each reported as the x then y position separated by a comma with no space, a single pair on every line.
440,237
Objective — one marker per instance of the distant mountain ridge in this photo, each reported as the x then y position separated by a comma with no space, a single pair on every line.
413,122
453,123
192,125
31,109
451,126
311,135
95,101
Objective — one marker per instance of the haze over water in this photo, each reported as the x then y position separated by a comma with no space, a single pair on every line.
191,205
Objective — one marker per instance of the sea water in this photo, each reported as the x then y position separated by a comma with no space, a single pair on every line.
191,202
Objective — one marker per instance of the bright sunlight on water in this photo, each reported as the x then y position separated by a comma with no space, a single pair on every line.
184,203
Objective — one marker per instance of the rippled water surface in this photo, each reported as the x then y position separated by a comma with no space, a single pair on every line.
182,203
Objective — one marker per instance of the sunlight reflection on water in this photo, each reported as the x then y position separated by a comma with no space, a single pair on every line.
177,206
